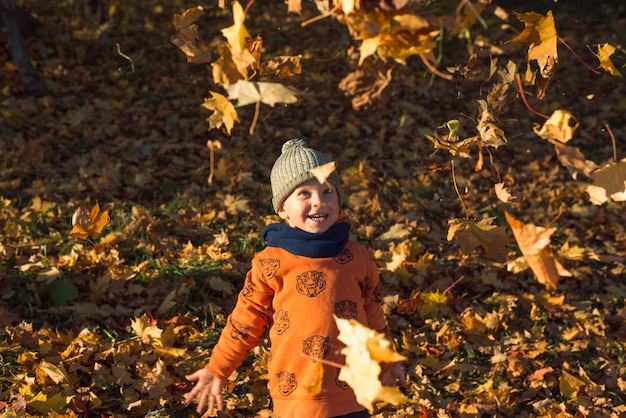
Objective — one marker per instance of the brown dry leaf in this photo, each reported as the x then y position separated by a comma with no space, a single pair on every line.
368,89
236,204
609,181
322,172
186,36
224,112
604,55
533,242
284,67
453,145
559,128
490,134
540,32
365,350
89,224
469,235
574,160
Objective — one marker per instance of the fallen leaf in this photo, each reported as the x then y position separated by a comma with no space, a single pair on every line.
186,37
469,235
284,67
502,193
322,172
237,34
365,350
609,181
574,160
604,55
559,128
148,333
224,112
248,92
533,242
89,224
540,32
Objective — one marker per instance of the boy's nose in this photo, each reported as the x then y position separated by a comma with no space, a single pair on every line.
316,200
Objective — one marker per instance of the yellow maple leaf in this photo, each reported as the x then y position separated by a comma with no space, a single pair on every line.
432,303
533,242
469,235
89,224
237,33
224,112
540,32
148,333
365,350
604,55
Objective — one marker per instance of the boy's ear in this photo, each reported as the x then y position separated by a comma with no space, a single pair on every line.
281,212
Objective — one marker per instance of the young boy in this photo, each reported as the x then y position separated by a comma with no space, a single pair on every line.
308,272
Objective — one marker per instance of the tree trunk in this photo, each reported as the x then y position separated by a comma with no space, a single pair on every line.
15,36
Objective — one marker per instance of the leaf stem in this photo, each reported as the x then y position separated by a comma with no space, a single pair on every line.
523,96
433,70
449,288
336,7
255,118
577,57
457,190
608,128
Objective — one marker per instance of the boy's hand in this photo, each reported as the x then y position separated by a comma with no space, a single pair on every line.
391,374
208,386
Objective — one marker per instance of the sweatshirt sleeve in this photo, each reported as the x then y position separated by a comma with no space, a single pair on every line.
244,326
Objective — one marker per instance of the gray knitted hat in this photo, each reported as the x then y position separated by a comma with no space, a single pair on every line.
291,169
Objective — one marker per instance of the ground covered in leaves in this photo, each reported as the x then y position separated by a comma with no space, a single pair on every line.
110,326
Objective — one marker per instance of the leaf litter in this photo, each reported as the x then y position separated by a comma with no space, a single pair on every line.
112,328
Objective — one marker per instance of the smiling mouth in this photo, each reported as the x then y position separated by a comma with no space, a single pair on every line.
318,217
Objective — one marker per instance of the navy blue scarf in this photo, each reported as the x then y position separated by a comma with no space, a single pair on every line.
299,242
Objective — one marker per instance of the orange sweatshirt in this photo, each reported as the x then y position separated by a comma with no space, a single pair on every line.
296,296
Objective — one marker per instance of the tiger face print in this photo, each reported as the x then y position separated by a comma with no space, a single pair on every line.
317,347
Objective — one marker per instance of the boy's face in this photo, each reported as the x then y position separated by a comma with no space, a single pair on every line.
312,207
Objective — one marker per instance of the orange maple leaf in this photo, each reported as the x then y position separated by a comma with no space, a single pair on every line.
533,242
89,224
